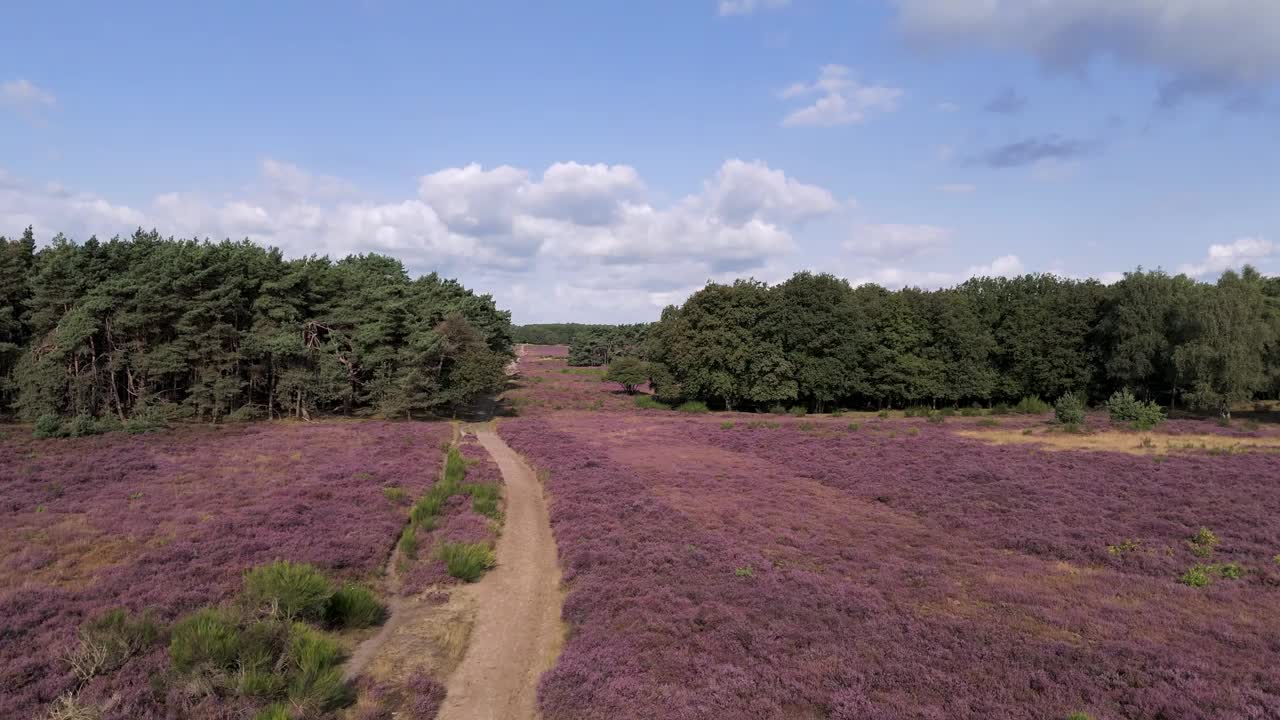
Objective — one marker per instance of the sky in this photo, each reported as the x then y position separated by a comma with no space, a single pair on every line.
596,160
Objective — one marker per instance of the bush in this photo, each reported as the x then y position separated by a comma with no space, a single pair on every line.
855,427
316,685
246,413
394,495
778,409
1000,409
1125,408
726,425
884,414
48,426
649,402
139,424
289,590
484,498
274,712
936,416
628,372
693,406
1031,405
352,606
970,412
409,542
108,641
798,411
1203,542
205,638
82,426
988,422
467,561
1069,409
838,412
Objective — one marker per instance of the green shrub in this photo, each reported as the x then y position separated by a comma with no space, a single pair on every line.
353,606
1000,409
394,495
48,426
693,406
1027,431
1201,575
1031,405
208,637
884,414
467,561
936,416
970,412
289,590
854,427
455,468
484,498
243,414
838,412
1196,576
988,422
649,402
778,409
409,542
1069,409
798,411
1079,716
316,684
1203,542
82,426
726,425
140,424
108,640
274,712
1125,408
744,572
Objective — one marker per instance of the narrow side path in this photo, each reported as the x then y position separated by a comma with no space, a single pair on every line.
517,634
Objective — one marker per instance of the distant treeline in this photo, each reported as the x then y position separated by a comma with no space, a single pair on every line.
147,326
600,345
815,340
553,333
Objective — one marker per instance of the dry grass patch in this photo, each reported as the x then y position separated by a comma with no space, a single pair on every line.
1125,442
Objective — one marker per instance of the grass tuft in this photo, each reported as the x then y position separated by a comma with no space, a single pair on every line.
353,606
467,561
693,406
289,590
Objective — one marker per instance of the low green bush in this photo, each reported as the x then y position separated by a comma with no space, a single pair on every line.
408,544
316,684
205,638
107,641
82,426
1000,409
988,422
693,406
1125,408
778,409
1031,405
937,416
798,411
1069,409
48,426
726,425
466,561
353,606
394,495
273,712
289,590
484,498
649,402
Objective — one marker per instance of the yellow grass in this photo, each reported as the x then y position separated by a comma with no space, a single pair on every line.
1126,442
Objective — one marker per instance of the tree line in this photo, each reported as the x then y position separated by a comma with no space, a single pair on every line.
149,326
553,333
818,342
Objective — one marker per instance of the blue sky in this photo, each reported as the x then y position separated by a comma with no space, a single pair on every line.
597,160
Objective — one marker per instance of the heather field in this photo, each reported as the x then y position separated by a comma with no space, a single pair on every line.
758,566
168,523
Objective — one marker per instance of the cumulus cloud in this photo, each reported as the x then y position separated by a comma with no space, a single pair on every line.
839,99
897,277
492,226
1007,102
1245,250
749,7
1030,151
25,97
895,241
1202,46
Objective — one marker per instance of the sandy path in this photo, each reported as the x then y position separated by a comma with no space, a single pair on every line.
518,633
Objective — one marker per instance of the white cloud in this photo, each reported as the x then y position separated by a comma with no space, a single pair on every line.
897,277
1245,250
1224,46
840,99
25,97
895,241
748,7
576,222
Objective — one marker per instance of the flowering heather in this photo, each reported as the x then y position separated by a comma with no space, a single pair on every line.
549,384
763,567
546,351
169,522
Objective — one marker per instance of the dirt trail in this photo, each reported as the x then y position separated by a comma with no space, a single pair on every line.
517,633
